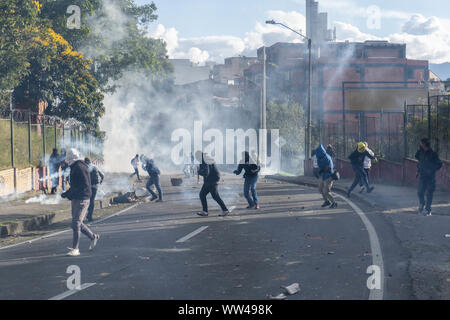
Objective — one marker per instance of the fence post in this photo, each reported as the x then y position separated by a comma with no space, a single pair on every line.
43,139
29,138
405,139
11,123
54,126
429,116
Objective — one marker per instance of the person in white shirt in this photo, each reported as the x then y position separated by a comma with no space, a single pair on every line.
367,165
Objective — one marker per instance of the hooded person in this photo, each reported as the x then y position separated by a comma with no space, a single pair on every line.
54,164
357,160
251,167
367,166
153,173
326,171
429,164
79,194
211,177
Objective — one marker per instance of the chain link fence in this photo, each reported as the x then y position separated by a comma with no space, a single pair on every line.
27,138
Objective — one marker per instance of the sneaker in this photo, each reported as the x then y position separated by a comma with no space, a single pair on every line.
334,205
421,207
250,207
224,213
94,242
73,252
257,207
326,204
428,213
203,214
153,198
371,189
160,200
348,194
362,189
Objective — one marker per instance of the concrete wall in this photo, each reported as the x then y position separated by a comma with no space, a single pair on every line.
6,182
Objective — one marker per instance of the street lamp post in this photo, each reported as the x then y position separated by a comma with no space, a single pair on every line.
308,126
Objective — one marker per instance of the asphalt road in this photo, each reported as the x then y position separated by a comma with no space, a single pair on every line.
247,255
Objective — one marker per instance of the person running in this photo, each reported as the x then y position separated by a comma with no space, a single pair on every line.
79,194
135,165
153,173
367,167
211,177
54,164
326,170
96,178
357,160
251,168
429,164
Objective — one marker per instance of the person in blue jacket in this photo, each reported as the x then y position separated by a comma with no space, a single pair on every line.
326,170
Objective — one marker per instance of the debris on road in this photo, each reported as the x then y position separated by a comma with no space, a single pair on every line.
281,296
128,197
176,182
280,279
292,289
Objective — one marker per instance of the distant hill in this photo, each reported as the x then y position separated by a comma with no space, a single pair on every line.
442,70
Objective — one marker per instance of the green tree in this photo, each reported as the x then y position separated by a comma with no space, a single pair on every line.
18,26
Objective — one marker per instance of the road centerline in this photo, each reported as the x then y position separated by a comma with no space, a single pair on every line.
192,234
71,292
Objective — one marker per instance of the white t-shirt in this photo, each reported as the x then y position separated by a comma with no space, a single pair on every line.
367,160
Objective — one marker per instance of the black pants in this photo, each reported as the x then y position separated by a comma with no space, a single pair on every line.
92,204
136,172
427,186
213,189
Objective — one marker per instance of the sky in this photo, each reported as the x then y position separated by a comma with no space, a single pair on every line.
205,30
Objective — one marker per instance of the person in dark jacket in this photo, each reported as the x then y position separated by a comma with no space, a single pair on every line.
357,160
211,177
429,164
54,164
153,173
251,168
96,179
326,170
79,193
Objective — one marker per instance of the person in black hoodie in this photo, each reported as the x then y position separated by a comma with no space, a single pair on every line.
251,168
79,193
429,164
211,177
153,173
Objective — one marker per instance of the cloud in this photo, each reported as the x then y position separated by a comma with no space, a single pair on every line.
427,38
217,48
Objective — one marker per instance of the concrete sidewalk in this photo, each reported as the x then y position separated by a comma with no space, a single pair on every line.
424,238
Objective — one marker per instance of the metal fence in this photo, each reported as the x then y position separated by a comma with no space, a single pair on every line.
393,135
28,138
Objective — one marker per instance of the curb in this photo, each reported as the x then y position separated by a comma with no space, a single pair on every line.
35,223
338,189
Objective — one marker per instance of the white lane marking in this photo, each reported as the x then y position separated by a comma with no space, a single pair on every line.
375,247
66,230
192,234
71,292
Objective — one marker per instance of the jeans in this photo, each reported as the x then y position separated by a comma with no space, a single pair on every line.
92,203
79,211
250,185
213,189
360,176
427,185
325,189
154,181
367,170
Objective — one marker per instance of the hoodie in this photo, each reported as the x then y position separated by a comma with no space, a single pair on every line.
80,182
209,172
324,162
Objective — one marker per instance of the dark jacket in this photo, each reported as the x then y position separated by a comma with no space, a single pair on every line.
429,163
325,163
248,168
149,166
80,182
357,158
209,172
96,176
54,162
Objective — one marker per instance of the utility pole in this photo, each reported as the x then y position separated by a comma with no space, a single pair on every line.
263,134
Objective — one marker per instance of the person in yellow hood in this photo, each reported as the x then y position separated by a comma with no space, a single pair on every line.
357,160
